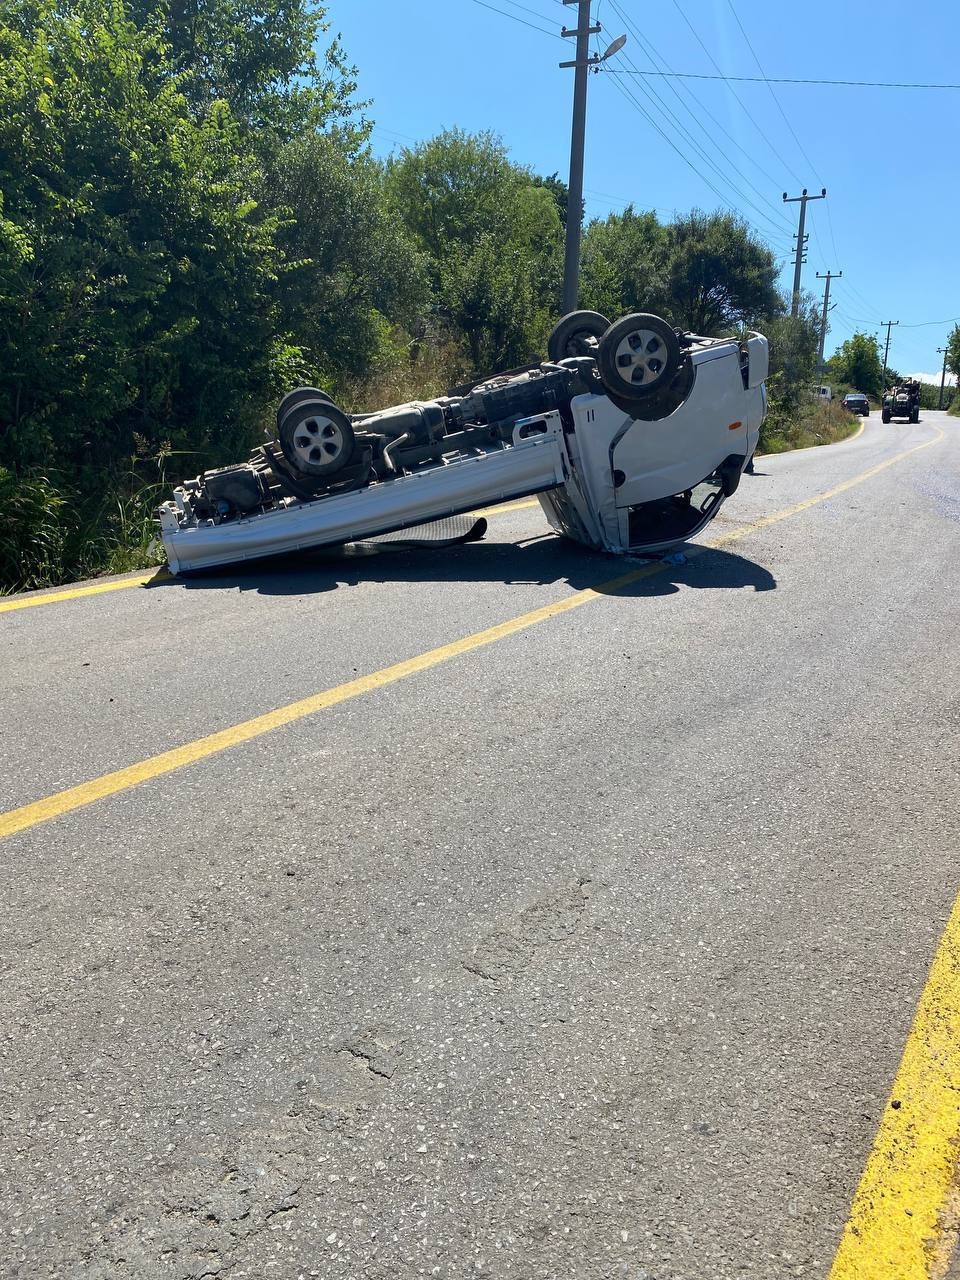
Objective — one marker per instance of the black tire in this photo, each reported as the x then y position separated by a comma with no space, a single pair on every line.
299,395
638,356
317,438
915,416
576,335
885,416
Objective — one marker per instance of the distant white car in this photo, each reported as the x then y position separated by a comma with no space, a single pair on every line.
823,393
632,434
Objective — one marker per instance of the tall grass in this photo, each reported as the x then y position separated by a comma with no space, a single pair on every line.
51,534
429,370
815,423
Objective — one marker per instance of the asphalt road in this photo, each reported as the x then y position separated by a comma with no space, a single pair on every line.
590,952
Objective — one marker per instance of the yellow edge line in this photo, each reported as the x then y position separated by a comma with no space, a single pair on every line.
896,1226
55,597
141,579
62,802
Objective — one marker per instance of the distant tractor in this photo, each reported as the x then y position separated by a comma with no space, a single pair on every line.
902,401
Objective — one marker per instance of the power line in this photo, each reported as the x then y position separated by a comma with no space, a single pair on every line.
704,156
621,202
857,299
686,160
800,146
536,13
852,84
743,106
656,58
833,239
786,120
816,240
922,324
513,17
392,136
650,120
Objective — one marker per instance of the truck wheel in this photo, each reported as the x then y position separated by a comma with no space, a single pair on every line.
317,438
298,396
637,356
576,335
885,415
915,415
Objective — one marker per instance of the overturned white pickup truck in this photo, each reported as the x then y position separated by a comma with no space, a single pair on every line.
632,434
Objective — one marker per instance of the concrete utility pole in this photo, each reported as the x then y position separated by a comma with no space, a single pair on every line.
582,63
831,275
886,350
801,240
943,374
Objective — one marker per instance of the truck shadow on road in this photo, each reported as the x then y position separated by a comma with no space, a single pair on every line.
538,562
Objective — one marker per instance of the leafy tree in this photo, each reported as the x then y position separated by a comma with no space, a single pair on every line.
930,395
624,264
492,239
953,351
704,272
560,192
487,292
260,58
135,266
355,268
857,362
794,344
453,189
718,275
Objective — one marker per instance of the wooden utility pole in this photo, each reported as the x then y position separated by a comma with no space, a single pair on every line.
943,373
801,240
582,63
886,349
831,275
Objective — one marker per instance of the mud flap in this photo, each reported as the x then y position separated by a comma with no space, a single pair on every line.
730,471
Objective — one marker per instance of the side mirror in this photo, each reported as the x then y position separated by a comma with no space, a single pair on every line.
758,351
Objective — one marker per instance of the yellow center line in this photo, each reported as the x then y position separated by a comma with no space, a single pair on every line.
160,575
74,593
86,793
522,504
902,1224
29,815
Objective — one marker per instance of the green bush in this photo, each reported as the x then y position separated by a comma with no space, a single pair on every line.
34,528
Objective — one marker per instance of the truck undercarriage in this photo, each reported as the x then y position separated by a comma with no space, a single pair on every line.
633,434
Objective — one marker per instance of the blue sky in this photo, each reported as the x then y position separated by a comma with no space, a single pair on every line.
888,157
